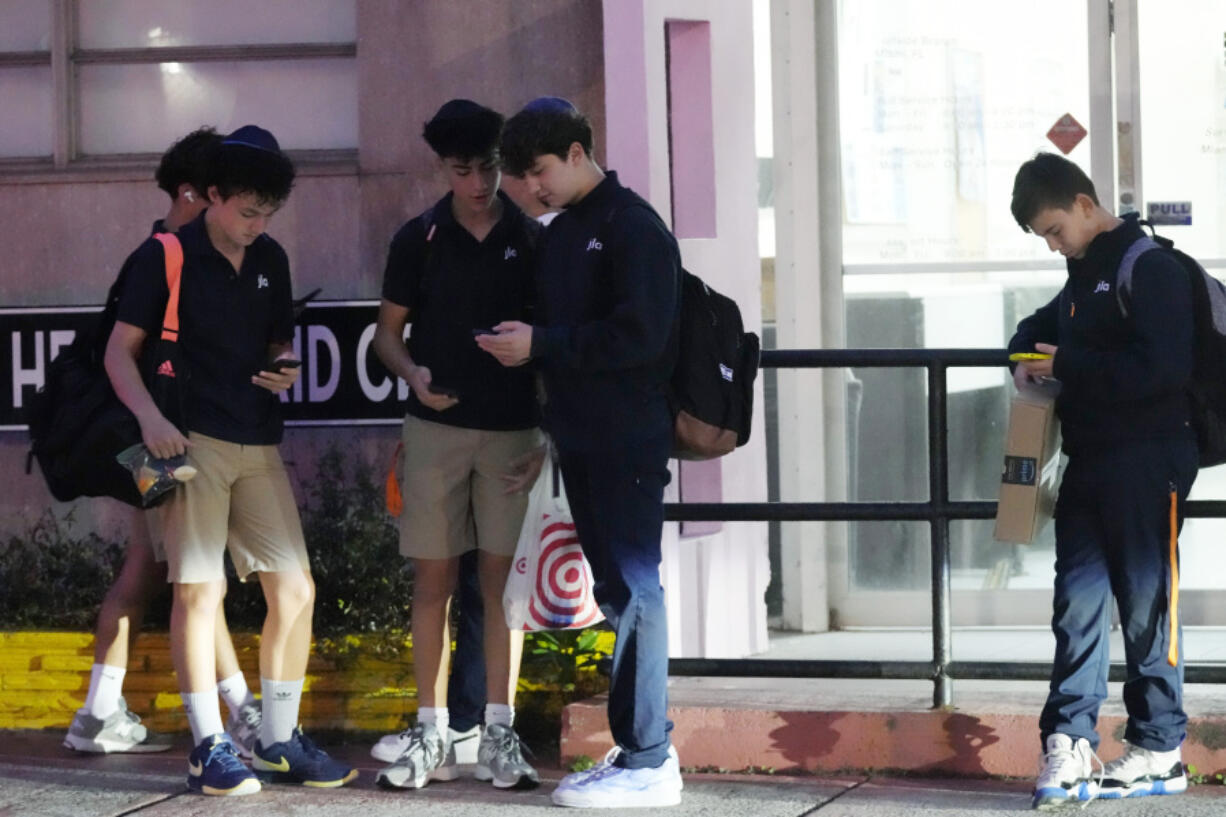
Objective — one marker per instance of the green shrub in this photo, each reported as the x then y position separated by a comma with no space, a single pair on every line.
51,578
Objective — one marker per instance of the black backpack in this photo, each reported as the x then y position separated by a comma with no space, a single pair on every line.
712,384
77,424
1208,389
711,388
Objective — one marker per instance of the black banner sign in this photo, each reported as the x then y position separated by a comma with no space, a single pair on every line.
342,381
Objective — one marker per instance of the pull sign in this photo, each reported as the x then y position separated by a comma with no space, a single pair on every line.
1170,212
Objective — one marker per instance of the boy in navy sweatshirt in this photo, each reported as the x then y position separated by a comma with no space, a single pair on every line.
1124,361
603,337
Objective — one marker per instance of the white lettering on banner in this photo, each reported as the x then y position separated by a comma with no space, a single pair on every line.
59,339
317,337
23,376
374,393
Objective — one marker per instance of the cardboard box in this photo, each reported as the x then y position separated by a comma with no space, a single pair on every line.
1032,459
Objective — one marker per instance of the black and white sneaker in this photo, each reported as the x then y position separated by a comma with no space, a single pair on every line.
1142,772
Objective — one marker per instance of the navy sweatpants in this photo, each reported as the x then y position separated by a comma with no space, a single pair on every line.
617,501
1113,537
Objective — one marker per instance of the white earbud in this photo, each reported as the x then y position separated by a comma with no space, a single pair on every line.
189,195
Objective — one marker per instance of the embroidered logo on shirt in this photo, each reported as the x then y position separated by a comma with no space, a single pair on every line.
166,370
260,282
594,244
509,254
1103,286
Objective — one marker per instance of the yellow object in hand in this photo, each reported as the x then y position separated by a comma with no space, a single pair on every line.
1020,356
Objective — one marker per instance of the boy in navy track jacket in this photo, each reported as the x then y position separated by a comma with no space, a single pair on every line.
604,339
1132,459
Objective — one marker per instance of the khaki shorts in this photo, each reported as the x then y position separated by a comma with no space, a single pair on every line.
241,499
454,499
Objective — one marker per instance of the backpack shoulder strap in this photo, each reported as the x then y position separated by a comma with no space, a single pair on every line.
174,269
428,227
1123,278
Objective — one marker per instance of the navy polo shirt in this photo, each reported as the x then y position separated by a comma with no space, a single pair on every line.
227,320
453,284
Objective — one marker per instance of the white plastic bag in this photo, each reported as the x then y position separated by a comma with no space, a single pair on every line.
550,583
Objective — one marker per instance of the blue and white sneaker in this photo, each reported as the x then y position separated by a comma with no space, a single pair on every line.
213,768
1067,775
1142,772
606,785
299,761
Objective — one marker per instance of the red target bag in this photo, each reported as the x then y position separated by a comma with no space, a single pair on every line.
550,583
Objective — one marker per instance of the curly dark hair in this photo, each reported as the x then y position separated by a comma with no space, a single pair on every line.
539,130
464,130
186,161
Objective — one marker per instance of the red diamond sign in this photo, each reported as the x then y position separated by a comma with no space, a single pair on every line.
1066,134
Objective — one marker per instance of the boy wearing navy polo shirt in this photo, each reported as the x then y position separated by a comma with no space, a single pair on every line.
471,440
604,339
1124,361
104,723
236,324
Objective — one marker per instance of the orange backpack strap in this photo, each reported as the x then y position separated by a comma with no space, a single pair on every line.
174,269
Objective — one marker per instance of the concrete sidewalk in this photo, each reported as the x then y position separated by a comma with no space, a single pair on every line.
38,777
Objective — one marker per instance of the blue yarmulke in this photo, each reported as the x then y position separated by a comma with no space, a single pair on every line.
553,104
253,136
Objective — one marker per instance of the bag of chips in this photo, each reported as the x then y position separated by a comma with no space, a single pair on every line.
154,478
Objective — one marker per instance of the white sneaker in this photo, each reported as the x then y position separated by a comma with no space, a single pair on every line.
462,747
244,728
608,786
121,731
1067,774
1141,772
501,760
424,759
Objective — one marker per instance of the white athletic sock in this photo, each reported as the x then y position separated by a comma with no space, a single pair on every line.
203,714
280,708
234,692
502,714
105,687
437,715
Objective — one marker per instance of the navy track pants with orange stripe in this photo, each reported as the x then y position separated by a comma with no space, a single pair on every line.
1114,538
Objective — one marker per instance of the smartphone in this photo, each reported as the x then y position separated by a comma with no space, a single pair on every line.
285,363
443,390
479,332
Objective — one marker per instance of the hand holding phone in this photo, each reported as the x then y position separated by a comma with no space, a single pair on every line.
479,332
281,364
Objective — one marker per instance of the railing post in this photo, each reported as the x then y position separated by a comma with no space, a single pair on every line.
938,495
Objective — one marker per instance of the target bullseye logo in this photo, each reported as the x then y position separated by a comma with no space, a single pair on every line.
563,594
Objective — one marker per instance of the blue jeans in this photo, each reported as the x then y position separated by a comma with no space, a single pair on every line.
466,687
617,500
1113,538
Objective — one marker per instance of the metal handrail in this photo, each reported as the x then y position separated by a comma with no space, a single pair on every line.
937,511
